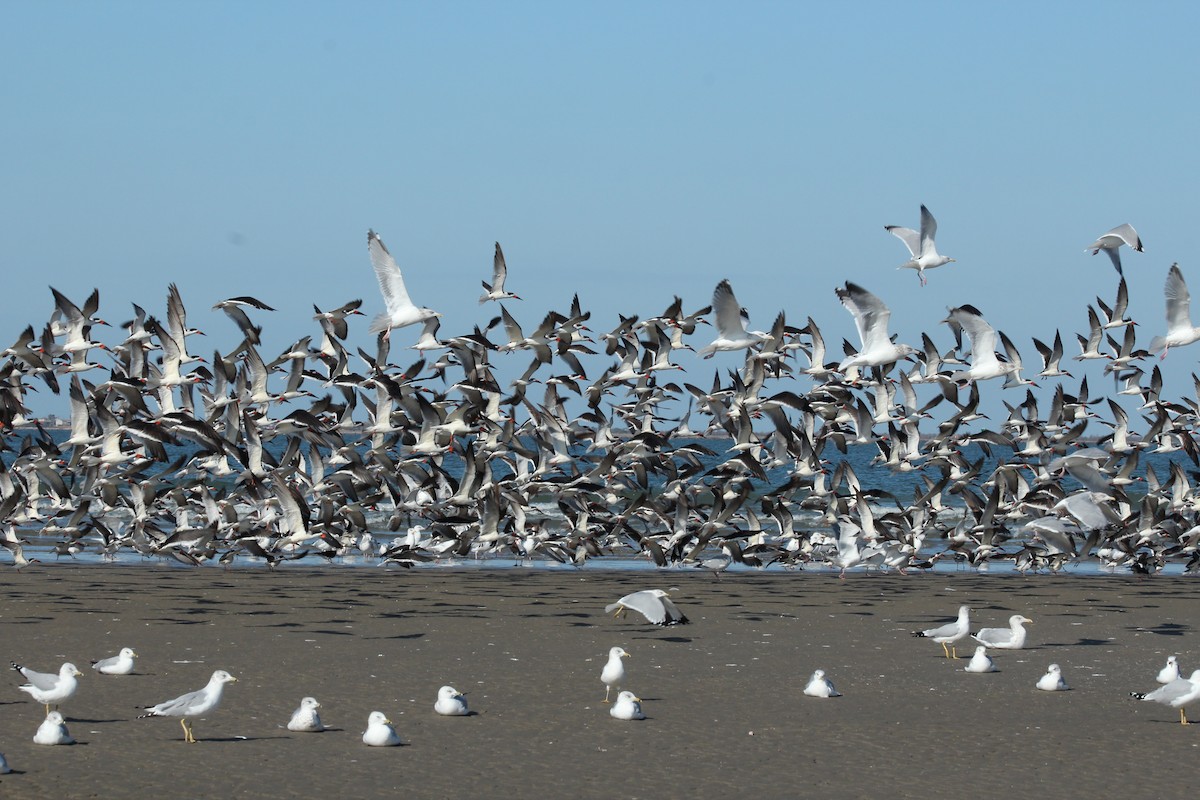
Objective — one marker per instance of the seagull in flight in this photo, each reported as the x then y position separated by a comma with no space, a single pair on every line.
653,604
1180,330
731,323
984,363
920,245
1112,241
871,318
401,312
495,290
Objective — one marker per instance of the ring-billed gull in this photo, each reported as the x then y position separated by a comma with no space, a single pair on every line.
1052,681
628,706
1010,638
1180,330
653,604
401,311
306,719
1112,241
49,688
984,363
871,318
950,633
981,661
820,686
614,670
451,702
4,767
53,730
730,323
1179,693
1170,671
120,664
193,704
380,732
920,245
717,563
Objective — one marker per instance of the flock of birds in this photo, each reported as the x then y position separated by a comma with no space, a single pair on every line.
1175,691
321,451
53,689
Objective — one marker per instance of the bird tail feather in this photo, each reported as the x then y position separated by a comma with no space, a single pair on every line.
379,324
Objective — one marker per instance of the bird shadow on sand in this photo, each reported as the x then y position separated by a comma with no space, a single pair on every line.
1165,629
398,636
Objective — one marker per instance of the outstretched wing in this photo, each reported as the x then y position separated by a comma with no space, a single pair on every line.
391,282
1179,301
871,316
730,322
911,239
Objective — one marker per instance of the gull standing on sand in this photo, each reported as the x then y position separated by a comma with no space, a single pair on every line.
1169,672
401,311
718,563
871,318
951,632
306,719
731,322
1112,241
193,704
628,706
820,686
1179,693
380,732
451,702
614,670
1180,330
981,661
920,245
4,767
120,664
53,730
1052,681
653,604
49,688
1010,638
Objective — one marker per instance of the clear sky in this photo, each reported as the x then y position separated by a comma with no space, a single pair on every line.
625,151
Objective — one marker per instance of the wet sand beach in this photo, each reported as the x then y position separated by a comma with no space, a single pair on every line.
723,695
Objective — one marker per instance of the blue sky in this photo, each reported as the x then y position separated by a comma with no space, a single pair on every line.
624,151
